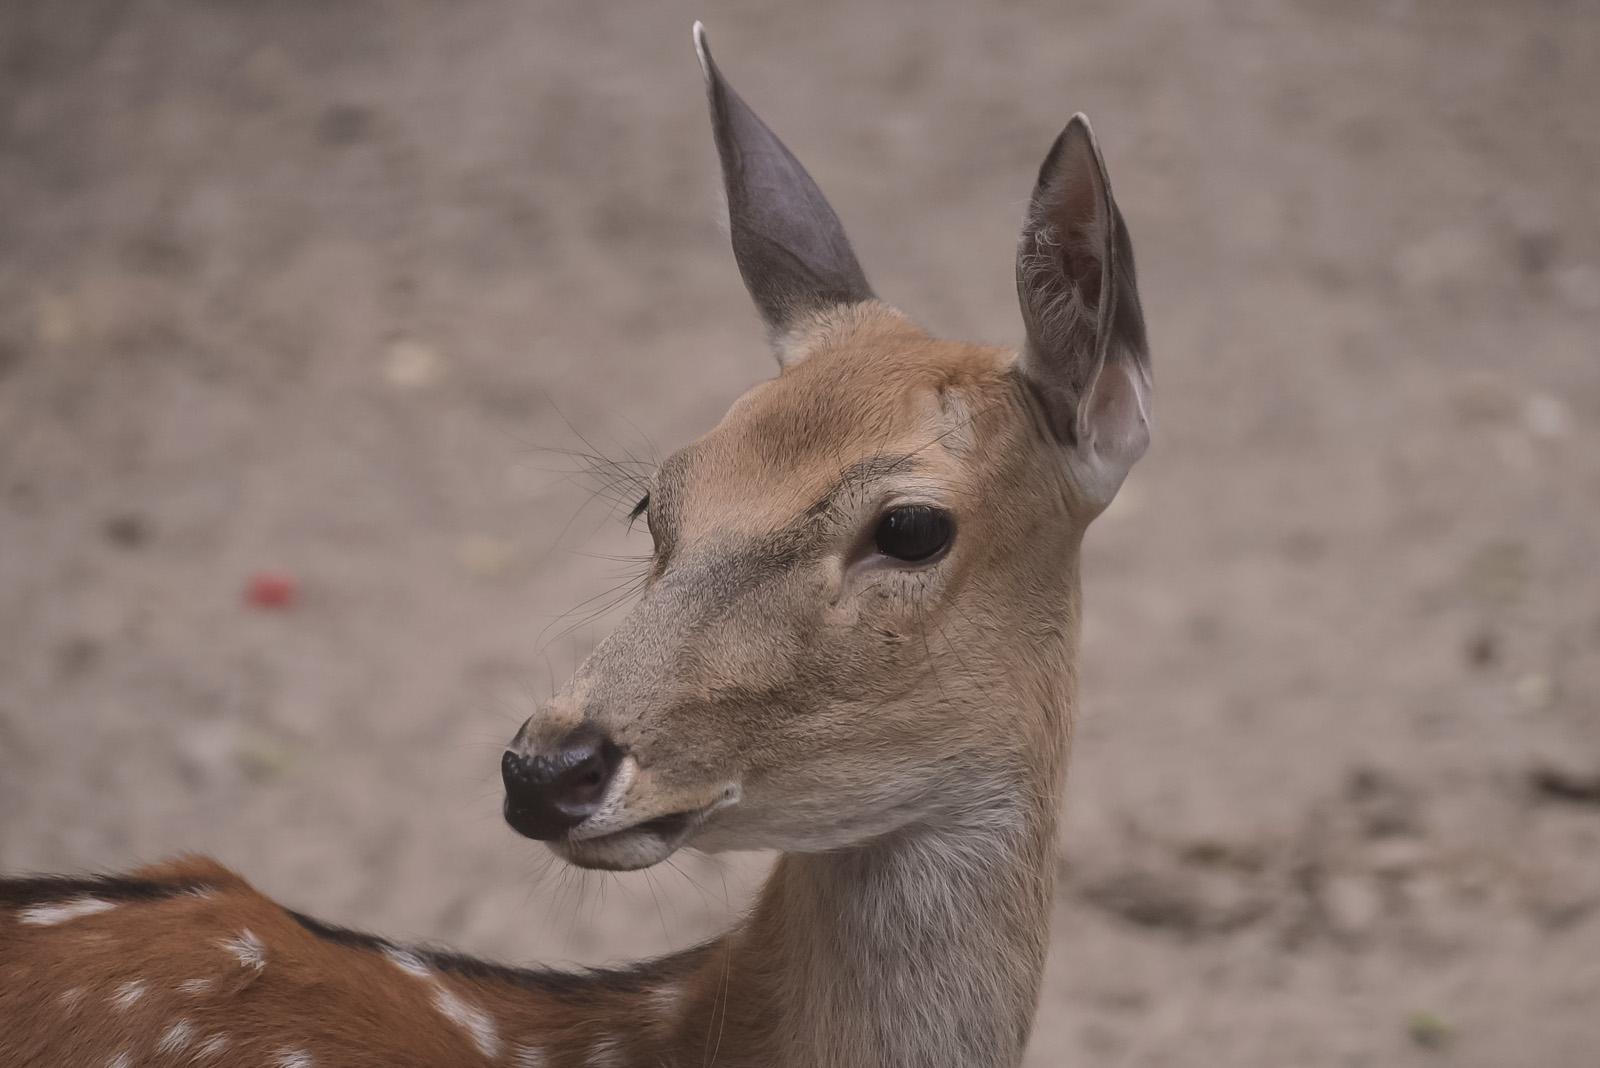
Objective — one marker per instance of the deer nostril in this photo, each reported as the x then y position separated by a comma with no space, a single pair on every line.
549,792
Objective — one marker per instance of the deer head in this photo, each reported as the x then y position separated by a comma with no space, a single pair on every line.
861,608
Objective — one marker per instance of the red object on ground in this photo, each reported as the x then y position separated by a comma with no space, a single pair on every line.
270,589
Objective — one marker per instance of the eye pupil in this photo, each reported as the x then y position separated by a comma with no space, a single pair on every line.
913,533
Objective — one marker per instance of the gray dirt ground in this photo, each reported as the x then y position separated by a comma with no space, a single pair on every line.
320,287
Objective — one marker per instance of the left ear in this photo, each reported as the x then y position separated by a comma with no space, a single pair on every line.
1086,354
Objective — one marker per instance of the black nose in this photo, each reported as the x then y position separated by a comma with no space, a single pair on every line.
550,792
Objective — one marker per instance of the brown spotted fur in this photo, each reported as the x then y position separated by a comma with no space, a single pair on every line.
982,686
899,733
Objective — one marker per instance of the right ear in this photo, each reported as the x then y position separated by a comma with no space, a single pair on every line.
1086,355
791,249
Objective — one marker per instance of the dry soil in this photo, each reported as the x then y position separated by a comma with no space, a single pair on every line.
338,289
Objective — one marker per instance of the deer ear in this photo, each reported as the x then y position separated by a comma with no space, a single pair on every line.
1086,354
791,249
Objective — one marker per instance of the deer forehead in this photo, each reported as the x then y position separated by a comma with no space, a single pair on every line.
882,405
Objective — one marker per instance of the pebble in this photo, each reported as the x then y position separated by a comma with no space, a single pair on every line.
1547,416
1580,285
1441,258
56,322
1499,572
412,365
1352,902
486,556
270,589
1429,1029
1535,690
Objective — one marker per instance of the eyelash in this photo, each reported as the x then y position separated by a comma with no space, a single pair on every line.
638,510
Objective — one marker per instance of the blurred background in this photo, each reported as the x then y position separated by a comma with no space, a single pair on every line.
309,313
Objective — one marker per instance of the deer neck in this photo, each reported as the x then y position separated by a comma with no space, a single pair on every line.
923,950
923,947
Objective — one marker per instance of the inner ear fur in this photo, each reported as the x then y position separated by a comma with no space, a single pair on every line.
1085,353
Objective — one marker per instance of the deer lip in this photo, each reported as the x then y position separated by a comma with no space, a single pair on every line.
672,825
642,843
638,845
669,828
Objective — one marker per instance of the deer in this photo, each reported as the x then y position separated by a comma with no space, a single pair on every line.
855,645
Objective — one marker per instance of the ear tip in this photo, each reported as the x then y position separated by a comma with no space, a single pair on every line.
702,48
1078,141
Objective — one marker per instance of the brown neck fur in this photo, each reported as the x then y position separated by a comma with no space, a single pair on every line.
926,947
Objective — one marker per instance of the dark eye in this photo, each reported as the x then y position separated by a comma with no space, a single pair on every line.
915,532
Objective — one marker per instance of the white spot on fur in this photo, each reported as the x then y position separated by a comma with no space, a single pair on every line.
210,1047
606,1053
472,1020
49,915
195,986
667,1000
407,961
530,1057
127,993
176,1037
69,998
121,1060
290,1057
248,948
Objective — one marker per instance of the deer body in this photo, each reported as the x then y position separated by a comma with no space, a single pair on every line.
856,645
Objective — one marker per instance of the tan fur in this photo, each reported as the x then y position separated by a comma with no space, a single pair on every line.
902,732
898,729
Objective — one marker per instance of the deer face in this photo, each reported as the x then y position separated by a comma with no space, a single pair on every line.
857,572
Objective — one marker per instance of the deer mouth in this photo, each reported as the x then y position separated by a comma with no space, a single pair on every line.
637,846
